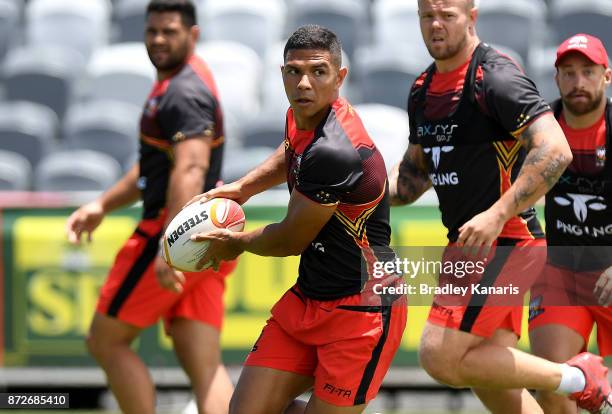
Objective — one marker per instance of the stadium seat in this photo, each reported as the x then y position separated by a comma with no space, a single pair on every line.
9,19
268,130
516,24
594,17
256,24
130,16
240,161
81,25
274,99
388,128
386,75
234,137
396,23
15,172
104,126
542,71
237,70
347,18
27,129
76,170
121,72
41,74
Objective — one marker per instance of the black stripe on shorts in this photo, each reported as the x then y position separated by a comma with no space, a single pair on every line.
489,277
134,274
370,369
141,233
296,293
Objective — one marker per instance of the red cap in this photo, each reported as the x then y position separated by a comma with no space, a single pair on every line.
588,45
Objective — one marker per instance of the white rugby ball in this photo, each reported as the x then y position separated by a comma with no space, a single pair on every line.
177,248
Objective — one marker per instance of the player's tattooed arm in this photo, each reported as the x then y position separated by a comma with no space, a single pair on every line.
548,154
409,179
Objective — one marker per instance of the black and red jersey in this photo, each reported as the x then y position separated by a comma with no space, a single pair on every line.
337,163
184,106
467,122
577,208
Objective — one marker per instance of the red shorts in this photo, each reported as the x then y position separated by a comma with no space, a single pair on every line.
482,314
347,348
132,294
549,306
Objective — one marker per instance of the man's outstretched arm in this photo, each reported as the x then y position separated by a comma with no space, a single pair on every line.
304,220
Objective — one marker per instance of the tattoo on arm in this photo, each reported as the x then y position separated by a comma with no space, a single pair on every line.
524,192
412,180
528,136
542,160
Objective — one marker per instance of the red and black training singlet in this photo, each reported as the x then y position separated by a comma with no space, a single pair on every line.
578,207
338,163
181,107
466,122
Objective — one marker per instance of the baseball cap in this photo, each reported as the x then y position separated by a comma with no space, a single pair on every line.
588,45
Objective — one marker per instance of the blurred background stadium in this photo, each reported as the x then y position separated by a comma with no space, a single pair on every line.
74,75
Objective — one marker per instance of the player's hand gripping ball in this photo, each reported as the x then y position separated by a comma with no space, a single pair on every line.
177,248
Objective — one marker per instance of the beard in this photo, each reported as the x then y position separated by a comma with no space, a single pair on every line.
174,59
583,108
449,51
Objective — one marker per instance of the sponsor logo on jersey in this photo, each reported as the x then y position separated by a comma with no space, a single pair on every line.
439,179
581,205
584,185
577,230
435,153
441,132
442,179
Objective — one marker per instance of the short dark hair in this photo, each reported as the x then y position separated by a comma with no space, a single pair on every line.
312,36
185,7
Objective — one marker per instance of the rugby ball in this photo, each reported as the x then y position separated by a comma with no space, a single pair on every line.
177,248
